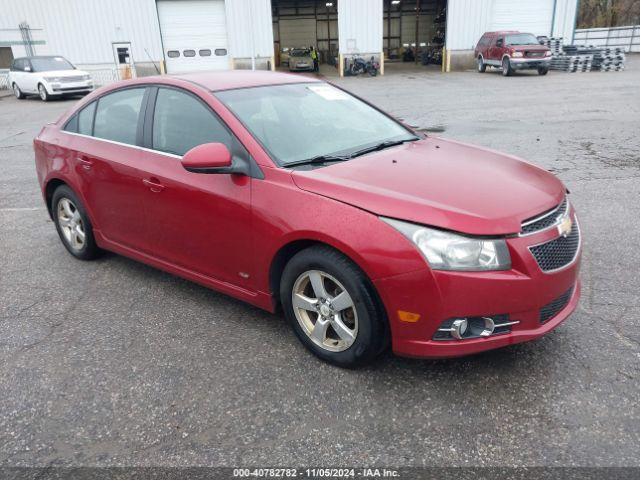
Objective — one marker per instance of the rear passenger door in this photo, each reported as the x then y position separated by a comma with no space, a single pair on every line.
107,134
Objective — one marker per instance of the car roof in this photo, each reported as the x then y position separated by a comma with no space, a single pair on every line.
231,79
502,32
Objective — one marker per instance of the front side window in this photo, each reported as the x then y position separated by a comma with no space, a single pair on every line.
117,115
304,120
48,64
182,122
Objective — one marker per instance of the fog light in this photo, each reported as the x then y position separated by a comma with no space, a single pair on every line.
459,328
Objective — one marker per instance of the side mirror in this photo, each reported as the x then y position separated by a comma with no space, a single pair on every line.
208,158
499,43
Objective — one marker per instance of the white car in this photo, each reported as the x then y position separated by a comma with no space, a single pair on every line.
50,76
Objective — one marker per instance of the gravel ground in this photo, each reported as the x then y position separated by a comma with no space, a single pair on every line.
115,363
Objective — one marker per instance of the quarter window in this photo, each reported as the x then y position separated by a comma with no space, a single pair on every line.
117,115
85,119
182,122
189,53
173,54
205,53
221,52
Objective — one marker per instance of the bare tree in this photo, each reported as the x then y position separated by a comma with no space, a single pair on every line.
608,13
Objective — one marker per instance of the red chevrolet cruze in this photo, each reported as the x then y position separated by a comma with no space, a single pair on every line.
287,192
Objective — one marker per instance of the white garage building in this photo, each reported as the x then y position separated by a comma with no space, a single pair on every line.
141,37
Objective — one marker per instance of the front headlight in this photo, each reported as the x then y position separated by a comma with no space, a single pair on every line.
449,251
517,54
86,77
547,53
53,79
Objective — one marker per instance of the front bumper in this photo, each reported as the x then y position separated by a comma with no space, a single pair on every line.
530,63
437,296
70,88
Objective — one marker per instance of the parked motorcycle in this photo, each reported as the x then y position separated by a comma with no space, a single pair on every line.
360,65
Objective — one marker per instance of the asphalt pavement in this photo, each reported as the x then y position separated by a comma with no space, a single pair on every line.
115,363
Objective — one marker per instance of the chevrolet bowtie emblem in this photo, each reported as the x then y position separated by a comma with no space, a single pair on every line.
564,228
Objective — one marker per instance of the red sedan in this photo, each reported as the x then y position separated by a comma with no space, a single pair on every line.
290,193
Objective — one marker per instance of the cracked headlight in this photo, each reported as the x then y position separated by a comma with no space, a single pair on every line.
449,251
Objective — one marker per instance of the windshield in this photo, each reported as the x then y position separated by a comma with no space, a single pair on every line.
299,53
48,64
522,39
304,120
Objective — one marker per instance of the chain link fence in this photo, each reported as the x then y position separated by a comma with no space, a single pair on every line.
624,37
101,76
4,79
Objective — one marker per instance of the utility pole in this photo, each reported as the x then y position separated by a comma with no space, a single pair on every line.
417,27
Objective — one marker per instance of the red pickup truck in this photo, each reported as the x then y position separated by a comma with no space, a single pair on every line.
512,50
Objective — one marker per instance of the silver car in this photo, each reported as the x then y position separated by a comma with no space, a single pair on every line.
300,60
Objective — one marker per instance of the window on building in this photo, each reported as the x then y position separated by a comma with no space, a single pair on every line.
117,115
182,122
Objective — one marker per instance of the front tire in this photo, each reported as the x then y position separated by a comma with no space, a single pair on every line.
543,70
482,67
73,224
507,71
333,308
17,92
42,92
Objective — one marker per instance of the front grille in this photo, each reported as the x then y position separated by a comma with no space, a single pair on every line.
558,252
551,309
535,54
78,78
544,220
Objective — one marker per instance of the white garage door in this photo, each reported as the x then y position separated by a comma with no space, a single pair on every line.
524,15
194,35
299,32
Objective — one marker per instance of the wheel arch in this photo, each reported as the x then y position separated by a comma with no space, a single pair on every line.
291,248
50,187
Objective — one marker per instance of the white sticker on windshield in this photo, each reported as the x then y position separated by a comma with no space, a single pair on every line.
328,93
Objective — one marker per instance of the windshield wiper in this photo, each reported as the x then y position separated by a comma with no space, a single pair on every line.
382,146
318,159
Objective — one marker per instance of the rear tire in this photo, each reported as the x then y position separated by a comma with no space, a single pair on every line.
543,70
73,224
345,298
42,92
482,67
17,92
507,71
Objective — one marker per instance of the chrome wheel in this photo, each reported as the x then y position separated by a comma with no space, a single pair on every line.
325,310
71,224
42,92
16,91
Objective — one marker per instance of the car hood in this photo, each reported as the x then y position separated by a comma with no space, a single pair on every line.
63,73
442,183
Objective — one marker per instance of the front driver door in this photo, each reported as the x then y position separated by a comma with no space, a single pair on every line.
200,222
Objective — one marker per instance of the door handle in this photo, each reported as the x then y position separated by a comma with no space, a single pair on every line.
154,186
86,164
